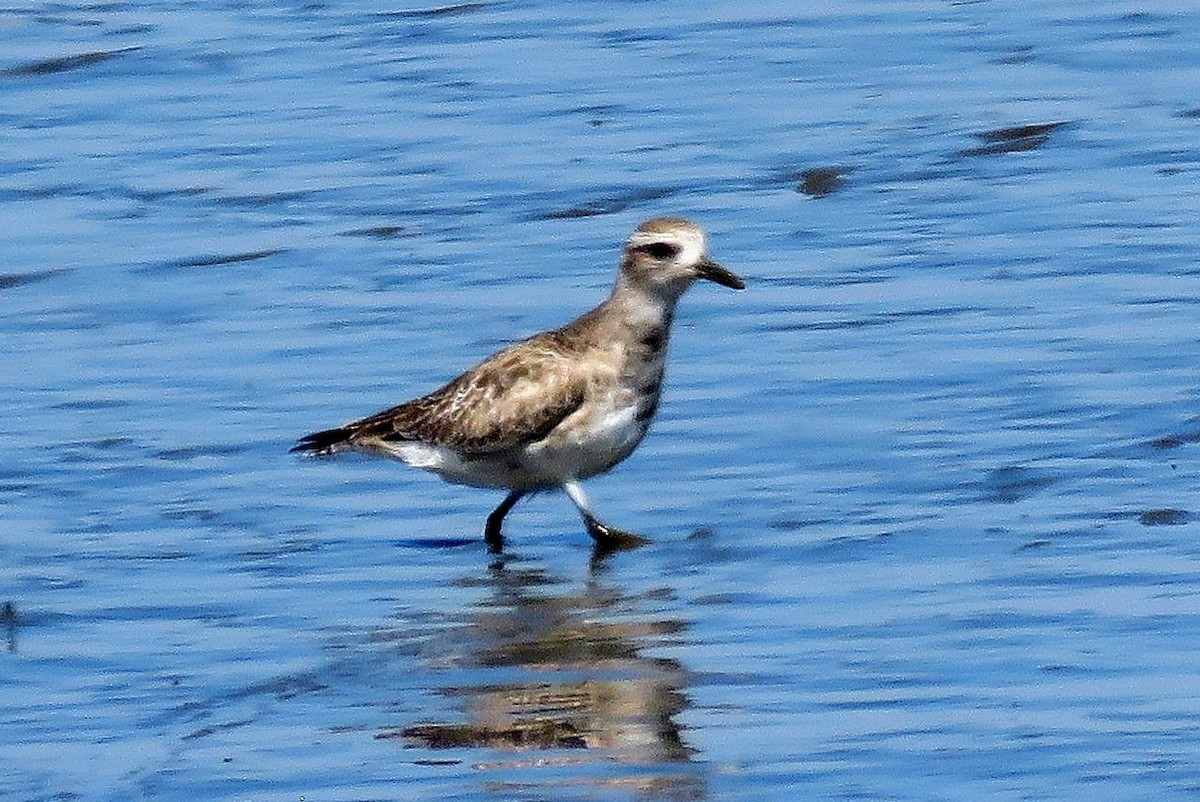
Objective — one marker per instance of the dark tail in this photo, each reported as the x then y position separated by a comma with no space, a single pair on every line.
325,442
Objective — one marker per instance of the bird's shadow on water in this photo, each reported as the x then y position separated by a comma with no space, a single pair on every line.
550,685
538,682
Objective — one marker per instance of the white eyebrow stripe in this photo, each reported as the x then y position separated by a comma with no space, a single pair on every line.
649,238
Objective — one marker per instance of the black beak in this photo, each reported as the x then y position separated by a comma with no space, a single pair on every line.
714,272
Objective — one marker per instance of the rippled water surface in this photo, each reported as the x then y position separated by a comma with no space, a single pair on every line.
923,499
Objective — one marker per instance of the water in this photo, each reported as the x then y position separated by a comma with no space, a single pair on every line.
922,498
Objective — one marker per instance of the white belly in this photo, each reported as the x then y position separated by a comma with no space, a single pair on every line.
586,445
583,445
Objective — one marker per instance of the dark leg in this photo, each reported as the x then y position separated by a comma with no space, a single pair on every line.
491,532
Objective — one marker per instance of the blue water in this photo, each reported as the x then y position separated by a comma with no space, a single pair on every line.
922,499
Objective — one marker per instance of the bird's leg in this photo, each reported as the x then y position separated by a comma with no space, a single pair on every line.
491,532
608,538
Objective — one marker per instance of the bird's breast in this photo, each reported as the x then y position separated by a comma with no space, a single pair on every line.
590,441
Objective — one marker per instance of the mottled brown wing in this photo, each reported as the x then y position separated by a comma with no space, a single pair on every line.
515,396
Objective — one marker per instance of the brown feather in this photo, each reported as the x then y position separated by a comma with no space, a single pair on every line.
485,410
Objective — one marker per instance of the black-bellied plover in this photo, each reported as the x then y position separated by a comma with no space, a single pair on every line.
559,407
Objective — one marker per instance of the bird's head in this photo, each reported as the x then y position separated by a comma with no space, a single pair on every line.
666,254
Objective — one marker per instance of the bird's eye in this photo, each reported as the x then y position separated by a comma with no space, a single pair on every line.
661,250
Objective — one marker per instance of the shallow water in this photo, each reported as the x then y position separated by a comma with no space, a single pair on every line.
922,498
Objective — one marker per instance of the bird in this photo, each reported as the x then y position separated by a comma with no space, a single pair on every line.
559,407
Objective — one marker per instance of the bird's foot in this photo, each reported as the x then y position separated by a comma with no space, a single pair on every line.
609,539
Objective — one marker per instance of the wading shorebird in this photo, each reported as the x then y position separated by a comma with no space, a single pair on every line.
560,406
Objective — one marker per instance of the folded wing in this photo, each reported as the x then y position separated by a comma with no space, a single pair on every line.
516,396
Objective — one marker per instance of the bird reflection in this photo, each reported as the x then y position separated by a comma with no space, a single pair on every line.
572,687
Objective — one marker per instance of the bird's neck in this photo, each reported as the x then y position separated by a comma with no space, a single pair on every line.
641,306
